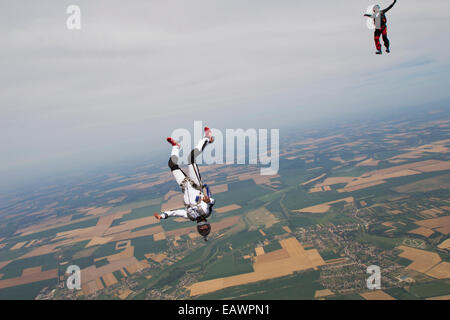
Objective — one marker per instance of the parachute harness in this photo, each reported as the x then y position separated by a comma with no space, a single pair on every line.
200,188
198,199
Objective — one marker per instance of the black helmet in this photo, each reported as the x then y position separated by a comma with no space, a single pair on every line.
204,228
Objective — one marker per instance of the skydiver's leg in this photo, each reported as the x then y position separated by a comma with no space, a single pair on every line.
385,39
174,213
193,171
377,39
178,174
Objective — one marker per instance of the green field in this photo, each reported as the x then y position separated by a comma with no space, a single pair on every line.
301,285
430,289
229,265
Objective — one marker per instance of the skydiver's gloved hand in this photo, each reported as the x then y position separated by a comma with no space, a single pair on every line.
159,216
209,204
209,200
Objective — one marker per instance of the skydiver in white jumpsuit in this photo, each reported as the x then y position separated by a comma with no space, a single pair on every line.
198,206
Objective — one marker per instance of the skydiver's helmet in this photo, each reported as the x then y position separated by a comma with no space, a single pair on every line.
204,228
376,8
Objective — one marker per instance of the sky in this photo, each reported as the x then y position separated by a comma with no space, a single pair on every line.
114,90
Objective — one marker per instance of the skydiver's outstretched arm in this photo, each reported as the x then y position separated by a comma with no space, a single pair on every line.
389,8
174,213
368,15
189,213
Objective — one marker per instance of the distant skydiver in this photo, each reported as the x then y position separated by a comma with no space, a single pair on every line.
198,206
379,19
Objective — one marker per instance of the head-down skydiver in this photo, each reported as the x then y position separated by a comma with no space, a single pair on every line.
379,18
198,206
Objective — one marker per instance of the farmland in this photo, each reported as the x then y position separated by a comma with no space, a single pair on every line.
361,194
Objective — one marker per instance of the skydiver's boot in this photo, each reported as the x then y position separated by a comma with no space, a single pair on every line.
388,50
173,142
379,52
208,134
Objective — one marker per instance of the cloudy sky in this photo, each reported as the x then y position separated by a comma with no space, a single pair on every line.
139,69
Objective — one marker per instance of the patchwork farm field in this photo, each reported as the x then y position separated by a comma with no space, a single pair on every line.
374,193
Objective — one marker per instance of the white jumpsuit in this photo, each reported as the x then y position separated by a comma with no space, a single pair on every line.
193,197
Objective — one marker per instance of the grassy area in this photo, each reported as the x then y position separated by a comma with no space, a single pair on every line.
71,250
226,266
329,254
378,241
403,261
27,291
299,198
101,263
301,285
136,204
272,246
118,275
143,245
106,250
14,269
430,289
52,232
141,212
6,254
400,294
353,296
240,193
83,262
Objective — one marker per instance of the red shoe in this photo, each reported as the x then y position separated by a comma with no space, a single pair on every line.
173,142
208,134
157,216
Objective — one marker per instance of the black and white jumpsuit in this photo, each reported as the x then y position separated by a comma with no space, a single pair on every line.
190,184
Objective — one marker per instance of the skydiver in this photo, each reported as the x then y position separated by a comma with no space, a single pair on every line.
198,206
379,18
